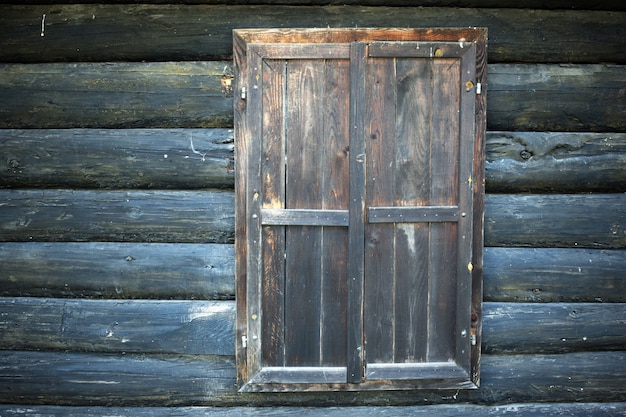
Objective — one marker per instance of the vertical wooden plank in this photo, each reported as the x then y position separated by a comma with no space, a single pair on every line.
305,92
379,238
273,196
412,179
465,233
355,353
335,195
478,203
253,211
444,191
242,138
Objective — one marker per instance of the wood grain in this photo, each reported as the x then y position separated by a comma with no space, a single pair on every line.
37,378
153,32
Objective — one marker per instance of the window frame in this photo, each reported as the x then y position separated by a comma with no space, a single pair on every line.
250,46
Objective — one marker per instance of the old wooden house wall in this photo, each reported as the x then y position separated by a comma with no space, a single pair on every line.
117,213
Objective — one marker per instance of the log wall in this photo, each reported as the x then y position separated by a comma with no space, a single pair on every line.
117,207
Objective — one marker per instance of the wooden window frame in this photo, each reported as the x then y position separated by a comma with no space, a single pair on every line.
250,47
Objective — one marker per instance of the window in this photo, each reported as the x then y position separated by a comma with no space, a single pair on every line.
359,207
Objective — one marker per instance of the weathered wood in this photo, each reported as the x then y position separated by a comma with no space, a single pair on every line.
124,158
564,220
543,220
114,95
139,326
443,410
206,271
553,327
534,98
207,327
136,32
127,158
552,275
529,4
117,270
30,377
556,162
188,94
126,216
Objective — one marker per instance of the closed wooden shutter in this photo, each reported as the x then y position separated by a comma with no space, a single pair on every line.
359,198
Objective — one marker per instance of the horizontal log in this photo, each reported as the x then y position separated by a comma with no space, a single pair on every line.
560,220
188,94
543,220
207,327
29,377
206,271
114,95
128,216
144,32
554,275
203,158
553,327
533,97
140,326
117,270
441,410
615,5
110,158
561,162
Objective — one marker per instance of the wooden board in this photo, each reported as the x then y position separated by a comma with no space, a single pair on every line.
207,327
556,162
530,4
139,326
29,377
553,275
117,158
114,95
117,270
539,83
125,158
565,220
188,94
206,271
126,216
138,32
458,410
541,220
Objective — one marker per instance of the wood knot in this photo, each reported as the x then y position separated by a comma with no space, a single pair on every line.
525,155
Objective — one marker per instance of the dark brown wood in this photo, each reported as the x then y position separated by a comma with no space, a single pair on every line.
111,158
37,378
189,95
443,410
554,275
122,216
117,270
138,32
566,220
113,326
556,162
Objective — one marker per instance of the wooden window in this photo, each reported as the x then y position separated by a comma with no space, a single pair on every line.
359,207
